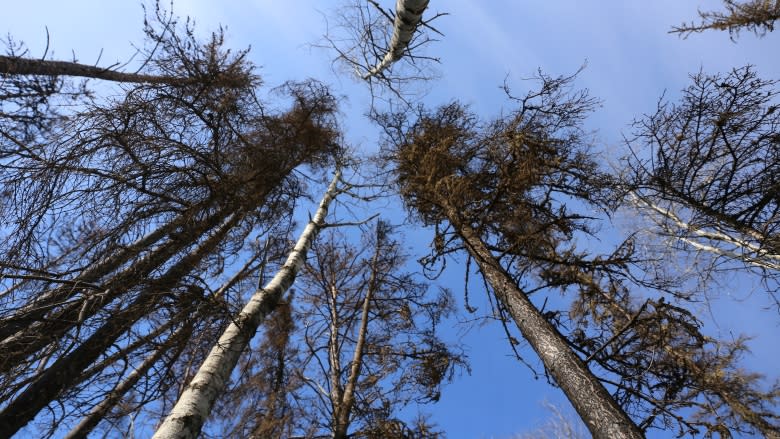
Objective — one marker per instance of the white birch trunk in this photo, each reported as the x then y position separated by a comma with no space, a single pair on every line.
408,14
190,412
739,247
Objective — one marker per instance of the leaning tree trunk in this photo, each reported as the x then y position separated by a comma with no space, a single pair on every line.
12,65
49,327
602,415
193,407
178,338
408,15
67,371
93,418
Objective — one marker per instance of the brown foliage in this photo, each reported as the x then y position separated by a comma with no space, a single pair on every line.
117,212
514,181
757,16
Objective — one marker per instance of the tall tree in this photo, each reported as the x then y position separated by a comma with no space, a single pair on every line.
499,190
194,405
504,192
136,197
384,46
408,15
369,344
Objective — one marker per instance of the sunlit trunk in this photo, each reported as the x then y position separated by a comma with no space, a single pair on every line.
193,407
408,14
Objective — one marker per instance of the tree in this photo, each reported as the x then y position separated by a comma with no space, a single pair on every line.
140,195
194,405
264,403
498,190
408,15
369,344
382,46
503,192
710,181
757,16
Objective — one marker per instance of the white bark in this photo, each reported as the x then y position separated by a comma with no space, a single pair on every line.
190,412
408,14
737,248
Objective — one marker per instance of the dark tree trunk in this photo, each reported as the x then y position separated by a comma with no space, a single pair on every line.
23,66
67,370
601,414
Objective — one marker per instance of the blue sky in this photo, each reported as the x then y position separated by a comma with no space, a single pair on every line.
631,60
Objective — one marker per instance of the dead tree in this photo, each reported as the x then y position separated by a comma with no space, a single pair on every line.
113,211
709,179
757,16
498,187
408,15
384,47
194,405
369,344
501,191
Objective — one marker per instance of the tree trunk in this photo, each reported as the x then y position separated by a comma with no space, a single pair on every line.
601,414
93,418
35,310
23,66
50,327
348,396
67,370
408,14
190,412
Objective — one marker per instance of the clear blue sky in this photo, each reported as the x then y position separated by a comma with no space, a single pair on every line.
631,61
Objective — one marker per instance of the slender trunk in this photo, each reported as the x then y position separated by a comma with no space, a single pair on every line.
24,66
348,397
334,363
408,14
190,412
602,415
67,370
43,303
93,418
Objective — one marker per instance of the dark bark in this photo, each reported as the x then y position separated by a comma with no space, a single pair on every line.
48,328
11,65
93,418
66,371
601,414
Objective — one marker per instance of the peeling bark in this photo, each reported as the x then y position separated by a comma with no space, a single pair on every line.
190,412
408,15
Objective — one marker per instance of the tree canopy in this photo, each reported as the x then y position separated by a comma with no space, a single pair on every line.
186,251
